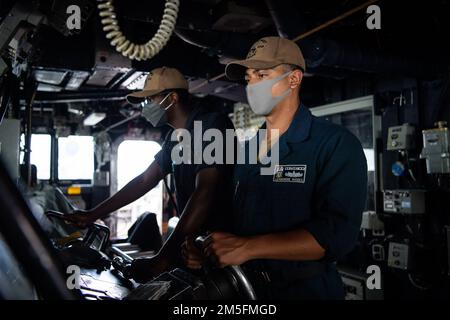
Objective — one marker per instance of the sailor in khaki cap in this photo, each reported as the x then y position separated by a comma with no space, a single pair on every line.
268,53
163,88
290,228
203,190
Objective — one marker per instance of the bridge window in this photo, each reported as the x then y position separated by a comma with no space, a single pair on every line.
40,154
133,157
76,158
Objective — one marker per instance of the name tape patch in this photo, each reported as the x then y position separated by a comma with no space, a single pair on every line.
290,173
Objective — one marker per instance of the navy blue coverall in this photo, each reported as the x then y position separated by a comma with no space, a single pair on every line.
319,185
185,173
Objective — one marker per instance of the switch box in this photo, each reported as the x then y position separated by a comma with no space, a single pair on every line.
400,137
404,201
399,256
436,149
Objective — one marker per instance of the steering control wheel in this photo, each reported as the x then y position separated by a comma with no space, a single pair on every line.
234,274
85,249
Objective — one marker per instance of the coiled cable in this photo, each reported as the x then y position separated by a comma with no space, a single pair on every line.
132,50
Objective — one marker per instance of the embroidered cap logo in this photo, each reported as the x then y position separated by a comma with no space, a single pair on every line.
258,45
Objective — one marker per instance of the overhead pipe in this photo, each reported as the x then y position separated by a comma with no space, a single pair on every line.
285,28
319,51
229,44
79,96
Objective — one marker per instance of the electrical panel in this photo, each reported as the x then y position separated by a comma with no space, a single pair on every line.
400,137
355,286
436,149
378,252
370,221
404,201
399,255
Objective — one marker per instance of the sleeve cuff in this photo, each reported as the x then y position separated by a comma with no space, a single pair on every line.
320,231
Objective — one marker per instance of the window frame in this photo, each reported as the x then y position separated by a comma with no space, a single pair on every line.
362,103
67,182
21,154
115,153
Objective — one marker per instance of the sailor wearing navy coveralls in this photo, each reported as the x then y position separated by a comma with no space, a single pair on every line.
290,227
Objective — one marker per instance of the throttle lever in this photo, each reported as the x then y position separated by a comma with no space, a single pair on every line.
199,243
233,272
123,266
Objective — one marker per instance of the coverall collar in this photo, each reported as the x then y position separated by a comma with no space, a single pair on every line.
192,117
298,130
300,126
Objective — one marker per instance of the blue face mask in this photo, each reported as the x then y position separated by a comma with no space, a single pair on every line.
154,112
259,95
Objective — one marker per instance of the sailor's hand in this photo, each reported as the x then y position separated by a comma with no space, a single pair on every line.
192,256
225,249
80,218
144,269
